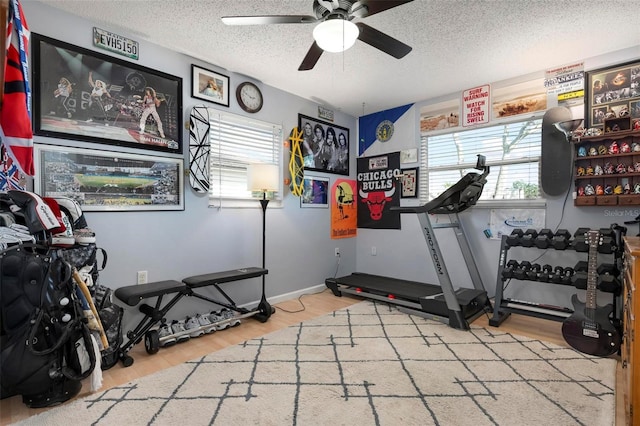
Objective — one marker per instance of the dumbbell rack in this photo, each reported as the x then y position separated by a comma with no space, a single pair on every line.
503,307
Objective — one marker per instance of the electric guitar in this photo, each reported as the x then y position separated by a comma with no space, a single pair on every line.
589,329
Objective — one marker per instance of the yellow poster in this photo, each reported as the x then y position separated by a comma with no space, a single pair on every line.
344,209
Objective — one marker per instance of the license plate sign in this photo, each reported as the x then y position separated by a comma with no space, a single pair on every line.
115,43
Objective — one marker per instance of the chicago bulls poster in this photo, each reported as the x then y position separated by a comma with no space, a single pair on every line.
379,189
344,219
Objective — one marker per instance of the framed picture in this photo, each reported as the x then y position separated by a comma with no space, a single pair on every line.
209,85
315,192
325,146
109,181
88,96
612,96
409,183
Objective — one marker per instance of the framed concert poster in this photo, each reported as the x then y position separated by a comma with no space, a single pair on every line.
83,95
612,97
325,146
109,181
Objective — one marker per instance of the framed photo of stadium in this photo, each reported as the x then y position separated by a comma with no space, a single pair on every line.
79,94
325,146
109,181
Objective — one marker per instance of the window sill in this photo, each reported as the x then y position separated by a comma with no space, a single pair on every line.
242,204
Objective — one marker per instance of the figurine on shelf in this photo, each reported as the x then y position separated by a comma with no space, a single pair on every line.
608,190
613,148
599,190
625,148
581,191
617,189
598,170
580,171
582,151
588,190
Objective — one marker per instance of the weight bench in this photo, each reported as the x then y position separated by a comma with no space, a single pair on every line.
133,294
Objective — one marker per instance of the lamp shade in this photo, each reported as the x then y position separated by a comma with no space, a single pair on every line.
263,177
335,35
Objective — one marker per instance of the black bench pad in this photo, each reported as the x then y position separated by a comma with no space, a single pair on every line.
133,294
223,277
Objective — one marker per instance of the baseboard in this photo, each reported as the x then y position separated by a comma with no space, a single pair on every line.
288,296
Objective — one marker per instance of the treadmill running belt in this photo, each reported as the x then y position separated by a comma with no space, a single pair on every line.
411,290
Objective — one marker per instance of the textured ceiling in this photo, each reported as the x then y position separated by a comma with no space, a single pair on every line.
457,44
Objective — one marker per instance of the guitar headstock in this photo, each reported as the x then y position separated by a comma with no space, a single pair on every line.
593,238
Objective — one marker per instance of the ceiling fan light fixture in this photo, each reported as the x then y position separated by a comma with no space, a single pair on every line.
336,35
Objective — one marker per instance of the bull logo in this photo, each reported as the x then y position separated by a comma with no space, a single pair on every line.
376,200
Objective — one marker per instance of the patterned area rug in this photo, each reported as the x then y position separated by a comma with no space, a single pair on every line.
365,365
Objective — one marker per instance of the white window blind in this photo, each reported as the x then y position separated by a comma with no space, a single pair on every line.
236,142
512,151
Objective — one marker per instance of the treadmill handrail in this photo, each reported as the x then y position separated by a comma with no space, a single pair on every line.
468,180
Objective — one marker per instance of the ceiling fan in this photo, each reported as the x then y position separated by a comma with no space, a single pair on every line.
335,32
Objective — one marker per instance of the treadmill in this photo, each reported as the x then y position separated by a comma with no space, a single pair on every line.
455,307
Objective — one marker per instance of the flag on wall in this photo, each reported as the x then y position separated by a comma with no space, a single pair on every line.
15,117
378,126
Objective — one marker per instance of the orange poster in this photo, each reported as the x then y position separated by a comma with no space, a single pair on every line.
344,217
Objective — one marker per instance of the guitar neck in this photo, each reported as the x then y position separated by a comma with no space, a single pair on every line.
592,274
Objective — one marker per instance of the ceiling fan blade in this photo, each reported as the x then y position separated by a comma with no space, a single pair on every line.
269,19
382,41
360,9
311,58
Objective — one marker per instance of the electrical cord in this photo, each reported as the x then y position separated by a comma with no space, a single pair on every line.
301,304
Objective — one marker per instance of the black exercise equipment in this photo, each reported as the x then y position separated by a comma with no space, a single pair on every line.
529,238
153,315
561,239
441,302
515,239
543,240
521,272
507,272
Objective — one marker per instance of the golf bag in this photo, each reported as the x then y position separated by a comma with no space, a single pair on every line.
46,347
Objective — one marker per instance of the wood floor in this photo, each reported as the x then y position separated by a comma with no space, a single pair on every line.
287,313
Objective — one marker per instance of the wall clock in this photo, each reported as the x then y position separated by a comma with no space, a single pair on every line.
249,97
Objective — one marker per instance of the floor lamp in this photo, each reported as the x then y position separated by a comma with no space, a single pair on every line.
263,178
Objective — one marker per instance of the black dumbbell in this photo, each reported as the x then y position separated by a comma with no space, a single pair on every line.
528,238
567,273
580,244
608,283
543,240
607,245
561,239
579,280
521,272
607,268
513,240
558,274
545,273
581,232
507,271
581,266
532,273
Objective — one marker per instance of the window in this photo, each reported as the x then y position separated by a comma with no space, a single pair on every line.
237,141
512,151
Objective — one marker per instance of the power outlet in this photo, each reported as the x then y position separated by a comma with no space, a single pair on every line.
337,252
142,277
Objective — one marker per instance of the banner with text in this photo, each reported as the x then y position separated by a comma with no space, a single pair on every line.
344,218
476,106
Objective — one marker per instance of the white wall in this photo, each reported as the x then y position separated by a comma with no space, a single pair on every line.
403,253
198,240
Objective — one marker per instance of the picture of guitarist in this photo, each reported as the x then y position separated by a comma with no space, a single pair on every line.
98,93
150,102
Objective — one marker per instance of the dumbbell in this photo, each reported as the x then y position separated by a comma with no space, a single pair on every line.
581,232
567,273
558,274
581,266
543,240
608,283
532,273
507,271
513,240
528,238
580,244
545,273
561,239
607,245
607,268
521,272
